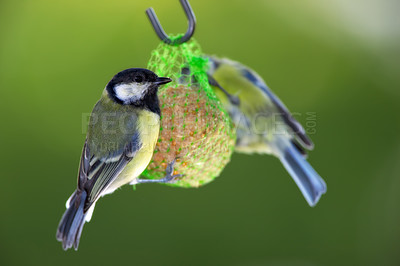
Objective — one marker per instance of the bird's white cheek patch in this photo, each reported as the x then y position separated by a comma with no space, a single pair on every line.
130,92
123,92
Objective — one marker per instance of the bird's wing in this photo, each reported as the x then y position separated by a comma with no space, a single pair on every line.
294,125
96,173
111,143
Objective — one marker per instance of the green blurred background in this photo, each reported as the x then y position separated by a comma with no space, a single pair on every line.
339,59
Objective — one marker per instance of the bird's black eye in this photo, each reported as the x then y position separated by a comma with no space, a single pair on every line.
138,79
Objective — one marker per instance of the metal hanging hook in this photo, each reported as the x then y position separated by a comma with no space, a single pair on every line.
160,31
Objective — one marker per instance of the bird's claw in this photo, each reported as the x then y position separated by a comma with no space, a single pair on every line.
170,177
173,178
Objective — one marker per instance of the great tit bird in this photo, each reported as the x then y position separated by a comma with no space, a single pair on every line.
122,134
264,124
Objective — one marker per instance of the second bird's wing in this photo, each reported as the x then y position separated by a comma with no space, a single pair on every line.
294,125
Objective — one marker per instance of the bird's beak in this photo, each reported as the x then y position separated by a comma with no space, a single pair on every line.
161,80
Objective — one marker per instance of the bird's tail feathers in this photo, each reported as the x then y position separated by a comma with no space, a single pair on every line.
71,224
307,179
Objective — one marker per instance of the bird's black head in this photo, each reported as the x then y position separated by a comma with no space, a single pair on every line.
135,86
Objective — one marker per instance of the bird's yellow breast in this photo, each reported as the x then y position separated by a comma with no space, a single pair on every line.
148,124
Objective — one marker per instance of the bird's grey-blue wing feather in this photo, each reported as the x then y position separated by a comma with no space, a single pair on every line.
97,173
295,126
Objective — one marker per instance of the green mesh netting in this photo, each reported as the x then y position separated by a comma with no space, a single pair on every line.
194,126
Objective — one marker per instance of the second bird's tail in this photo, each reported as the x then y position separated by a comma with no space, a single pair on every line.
71,224
307,179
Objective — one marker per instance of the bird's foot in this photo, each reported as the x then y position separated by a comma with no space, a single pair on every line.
170,178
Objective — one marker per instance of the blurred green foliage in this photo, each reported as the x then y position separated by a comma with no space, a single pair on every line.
338,59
